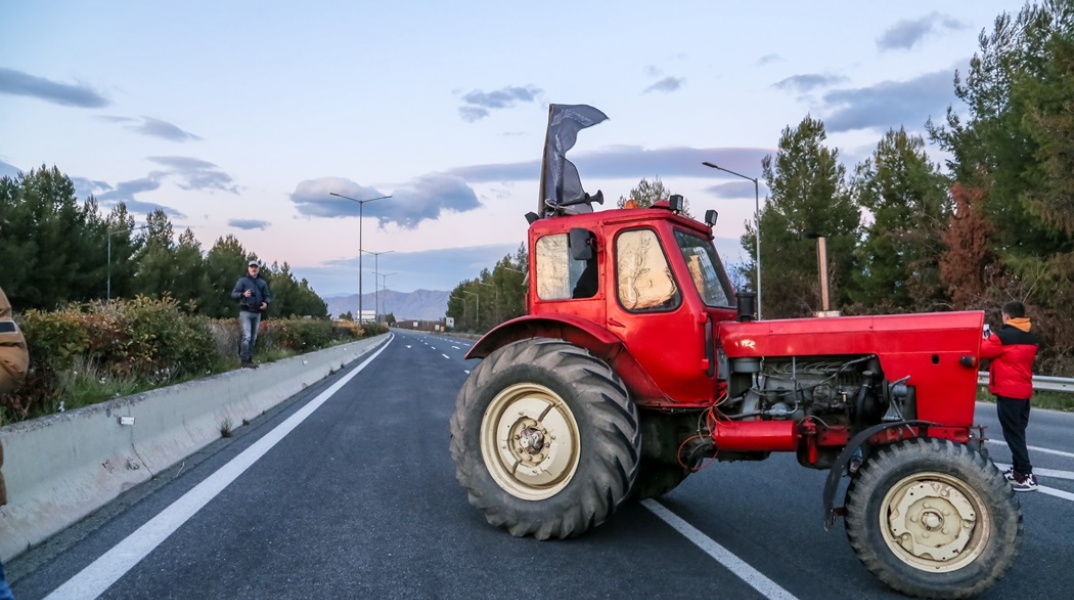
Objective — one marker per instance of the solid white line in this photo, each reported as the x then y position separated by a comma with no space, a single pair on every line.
768,588
445,356
1054,492
92,581
1036,449
1054,474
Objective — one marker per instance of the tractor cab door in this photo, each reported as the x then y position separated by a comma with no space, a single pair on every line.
658,317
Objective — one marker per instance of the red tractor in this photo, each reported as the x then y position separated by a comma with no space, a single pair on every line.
636,363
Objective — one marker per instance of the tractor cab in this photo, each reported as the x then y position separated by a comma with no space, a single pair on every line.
651,278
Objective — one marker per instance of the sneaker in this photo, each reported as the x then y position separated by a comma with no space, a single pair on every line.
1024,483
1009,474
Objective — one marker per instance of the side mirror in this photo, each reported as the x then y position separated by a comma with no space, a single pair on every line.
579,244
710,217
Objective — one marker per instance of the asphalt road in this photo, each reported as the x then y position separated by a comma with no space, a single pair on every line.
348,491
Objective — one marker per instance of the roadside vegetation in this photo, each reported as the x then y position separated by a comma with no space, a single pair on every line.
92,352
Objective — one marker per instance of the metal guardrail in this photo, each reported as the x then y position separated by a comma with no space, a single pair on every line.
1040,382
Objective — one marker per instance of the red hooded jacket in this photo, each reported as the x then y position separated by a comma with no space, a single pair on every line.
1011,350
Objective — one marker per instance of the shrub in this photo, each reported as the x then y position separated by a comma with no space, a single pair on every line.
91,352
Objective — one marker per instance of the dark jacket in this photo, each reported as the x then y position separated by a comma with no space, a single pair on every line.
259,292
1011,350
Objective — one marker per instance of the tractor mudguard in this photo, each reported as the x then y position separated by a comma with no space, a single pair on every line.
584,334
836,472
578,331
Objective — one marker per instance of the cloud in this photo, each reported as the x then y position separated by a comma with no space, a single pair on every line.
890,103
89,187
627,162
808,81
907,33
478,104
124,192
666,85
653,71
734,189
18,83
197,174
423,198
768,59
248,223
163,129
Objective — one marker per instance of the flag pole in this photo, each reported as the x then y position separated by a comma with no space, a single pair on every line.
544,163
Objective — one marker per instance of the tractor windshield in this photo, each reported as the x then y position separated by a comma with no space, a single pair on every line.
705,269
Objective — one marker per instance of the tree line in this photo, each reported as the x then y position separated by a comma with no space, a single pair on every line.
994,222
55,250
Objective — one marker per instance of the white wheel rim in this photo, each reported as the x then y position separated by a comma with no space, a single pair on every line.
530,442
934,522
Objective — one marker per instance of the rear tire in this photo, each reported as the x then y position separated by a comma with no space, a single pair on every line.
933,519
545,439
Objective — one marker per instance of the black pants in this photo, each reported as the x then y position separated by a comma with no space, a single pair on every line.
1014,418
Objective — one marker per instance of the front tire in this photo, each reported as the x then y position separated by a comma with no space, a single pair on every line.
545,439
932,518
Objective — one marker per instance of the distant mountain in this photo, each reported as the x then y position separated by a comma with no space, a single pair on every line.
420,305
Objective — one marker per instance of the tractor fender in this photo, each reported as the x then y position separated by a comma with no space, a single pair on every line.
582,333
578,331
836,472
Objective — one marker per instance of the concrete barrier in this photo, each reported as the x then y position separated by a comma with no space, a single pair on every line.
62,467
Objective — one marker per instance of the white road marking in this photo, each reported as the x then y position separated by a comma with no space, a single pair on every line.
768,588
467,371
456,348
1054,474
1036,449
408,346
1054,492
96,578
433,347
445,356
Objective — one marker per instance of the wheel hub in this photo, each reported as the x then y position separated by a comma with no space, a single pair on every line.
530,442
930,521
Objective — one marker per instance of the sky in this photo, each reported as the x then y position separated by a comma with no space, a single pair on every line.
241,118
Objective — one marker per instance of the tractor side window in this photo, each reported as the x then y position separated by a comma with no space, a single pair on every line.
645,280
560,277
705,269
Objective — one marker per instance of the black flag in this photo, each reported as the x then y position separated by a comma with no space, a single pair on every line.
560,183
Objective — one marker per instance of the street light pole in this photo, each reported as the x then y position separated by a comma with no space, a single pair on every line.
384,279
756,221
376,276
361,205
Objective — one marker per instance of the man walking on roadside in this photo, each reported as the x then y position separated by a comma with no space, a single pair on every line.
14,362
253,295
1010,377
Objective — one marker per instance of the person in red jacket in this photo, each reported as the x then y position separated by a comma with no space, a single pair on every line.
1010,377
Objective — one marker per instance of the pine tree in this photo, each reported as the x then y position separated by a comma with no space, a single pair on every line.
808,196
898,256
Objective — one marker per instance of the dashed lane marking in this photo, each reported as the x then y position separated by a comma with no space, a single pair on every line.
768,588
1052,473
445,356
1036,449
